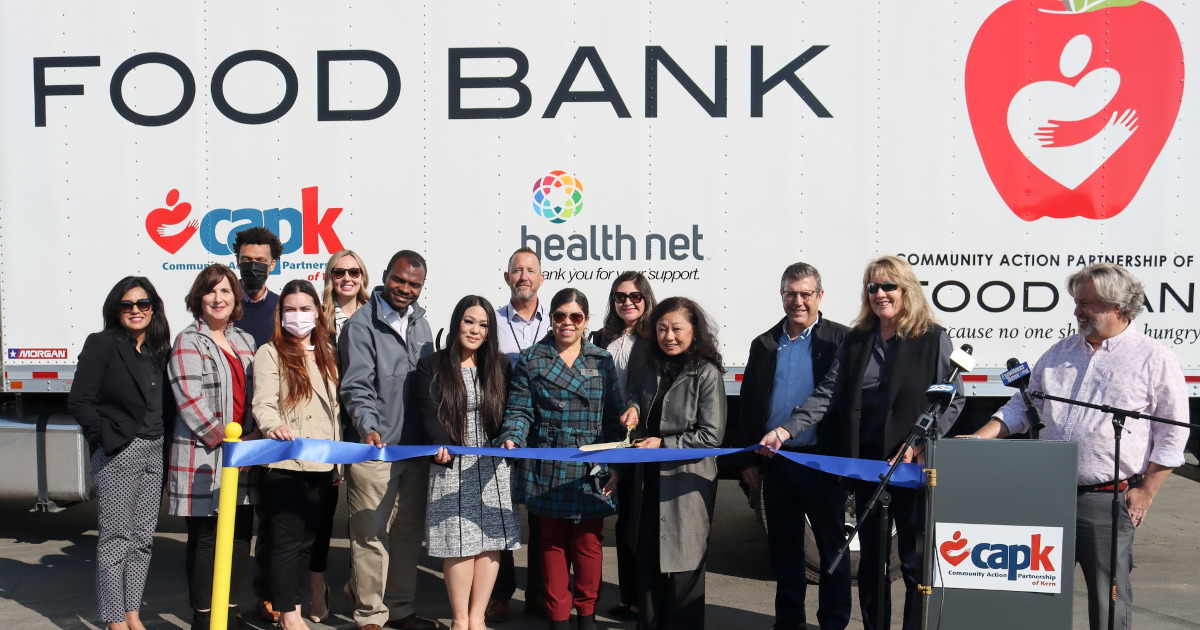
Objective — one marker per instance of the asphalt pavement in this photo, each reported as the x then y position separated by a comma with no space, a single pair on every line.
47,564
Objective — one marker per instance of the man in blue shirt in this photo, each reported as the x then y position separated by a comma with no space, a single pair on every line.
786,364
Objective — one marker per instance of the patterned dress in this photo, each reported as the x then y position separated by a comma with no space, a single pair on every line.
470,501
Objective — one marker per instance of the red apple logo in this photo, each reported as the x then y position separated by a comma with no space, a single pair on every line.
1072,101
160,219
950,548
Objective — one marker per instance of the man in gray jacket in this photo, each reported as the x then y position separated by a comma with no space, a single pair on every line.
380,344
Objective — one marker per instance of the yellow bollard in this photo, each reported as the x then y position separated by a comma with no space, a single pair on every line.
226,511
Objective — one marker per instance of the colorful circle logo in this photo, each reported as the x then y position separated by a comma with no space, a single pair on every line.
558,196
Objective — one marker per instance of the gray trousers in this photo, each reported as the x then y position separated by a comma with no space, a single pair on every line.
129,489
1093,536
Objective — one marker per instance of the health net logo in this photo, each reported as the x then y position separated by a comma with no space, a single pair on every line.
1072,102
557,196
172,226
1000,557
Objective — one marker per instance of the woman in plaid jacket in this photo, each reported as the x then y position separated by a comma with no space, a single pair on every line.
564,394
211,375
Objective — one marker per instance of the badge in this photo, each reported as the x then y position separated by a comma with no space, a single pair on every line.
589,372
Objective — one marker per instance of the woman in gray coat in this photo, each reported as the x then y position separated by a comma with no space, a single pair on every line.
683,404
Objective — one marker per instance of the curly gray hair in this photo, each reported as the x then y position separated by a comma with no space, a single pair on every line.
1114,286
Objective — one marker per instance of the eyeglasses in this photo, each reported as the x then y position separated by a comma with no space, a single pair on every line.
805,296
354,272
559,317
872,287
144,305
636,297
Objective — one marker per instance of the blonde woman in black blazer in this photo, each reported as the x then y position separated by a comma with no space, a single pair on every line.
123,401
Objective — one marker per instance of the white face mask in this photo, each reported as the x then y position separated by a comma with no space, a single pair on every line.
299,323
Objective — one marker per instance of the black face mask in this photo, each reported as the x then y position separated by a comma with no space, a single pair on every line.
254,275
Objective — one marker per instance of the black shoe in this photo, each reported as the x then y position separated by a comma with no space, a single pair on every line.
587,622
201,619
624,612
560,625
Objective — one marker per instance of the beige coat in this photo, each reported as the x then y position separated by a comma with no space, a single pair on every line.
316,418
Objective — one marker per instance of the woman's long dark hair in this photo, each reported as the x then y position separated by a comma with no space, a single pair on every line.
704,336
158,333
614,326
490,374
293,365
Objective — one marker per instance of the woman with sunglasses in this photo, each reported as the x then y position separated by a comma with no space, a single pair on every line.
626,336
212,378
346,283
875,391
121,399
564,394
295,396
459,394
682,399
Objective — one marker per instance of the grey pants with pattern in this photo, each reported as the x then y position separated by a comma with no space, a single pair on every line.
128,492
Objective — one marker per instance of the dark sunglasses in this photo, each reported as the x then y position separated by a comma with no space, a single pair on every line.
559,317
872,287
144,305
636,297
354,272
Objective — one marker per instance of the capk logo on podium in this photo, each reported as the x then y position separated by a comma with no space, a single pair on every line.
1072,101
999,557
172,226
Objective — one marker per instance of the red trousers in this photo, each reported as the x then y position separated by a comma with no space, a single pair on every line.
565,544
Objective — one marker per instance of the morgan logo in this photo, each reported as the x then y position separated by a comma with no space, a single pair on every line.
1071,102
37,353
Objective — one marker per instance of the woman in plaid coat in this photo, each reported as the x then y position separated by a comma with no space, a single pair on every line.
564,394
211,375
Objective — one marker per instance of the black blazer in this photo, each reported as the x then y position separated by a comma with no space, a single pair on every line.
108,397
759,378
426,399
914,368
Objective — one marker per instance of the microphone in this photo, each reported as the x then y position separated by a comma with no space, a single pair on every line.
962,360
1017,376
940,394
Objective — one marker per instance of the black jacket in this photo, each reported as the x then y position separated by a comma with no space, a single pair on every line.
759,378
914,368
426,398
108,397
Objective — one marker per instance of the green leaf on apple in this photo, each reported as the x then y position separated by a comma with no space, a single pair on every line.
1083,6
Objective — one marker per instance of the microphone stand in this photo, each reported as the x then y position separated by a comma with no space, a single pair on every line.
922,430
1032,415
1118,421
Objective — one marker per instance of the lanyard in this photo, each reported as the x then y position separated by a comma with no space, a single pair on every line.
536,333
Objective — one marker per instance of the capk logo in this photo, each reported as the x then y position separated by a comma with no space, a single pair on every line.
1072,101
217,228
558,196
988,555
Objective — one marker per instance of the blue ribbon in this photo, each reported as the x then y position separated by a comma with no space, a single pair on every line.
259,452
